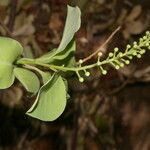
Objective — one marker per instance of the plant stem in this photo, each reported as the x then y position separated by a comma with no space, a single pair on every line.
27,61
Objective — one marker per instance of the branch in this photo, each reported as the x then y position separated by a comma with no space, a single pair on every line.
103,45
12,16
6,29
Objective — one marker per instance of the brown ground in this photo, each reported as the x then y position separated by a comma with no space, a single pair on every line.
104,113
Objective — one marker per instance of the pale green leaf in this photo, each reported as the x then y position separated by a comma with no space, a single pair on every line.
6,75
66,87
47,58
29,79
51,100
10,50
45,75
72,25
28,52
65,57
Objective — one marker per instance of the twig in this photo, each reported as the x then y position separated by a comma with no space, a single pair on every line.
118,89
12,16
123,85
6,29
74,138
22,140
103,45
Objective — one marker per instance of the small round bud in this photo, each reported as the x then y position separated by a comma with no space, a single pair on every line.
147,32
144,37
127,62
135,46
138,55
120,54
147,44
81,79
87,74
111,54
134,53
142,51
117,67
104,72
149,47
141,40
80,61
130,57
121,64
134,43
128,46
116,49
100,54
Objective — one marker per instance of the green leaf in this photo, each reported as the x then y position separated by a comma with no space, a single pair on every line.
10,50
72,25
6,75
28,52
66,87
51,100
65,57
45,75
48,57
29,79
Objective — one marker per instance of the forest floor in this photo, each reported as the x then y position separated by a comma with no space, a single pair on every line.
109,112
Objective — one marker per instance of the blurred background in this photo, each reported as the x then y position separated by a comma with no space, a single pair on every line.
109,112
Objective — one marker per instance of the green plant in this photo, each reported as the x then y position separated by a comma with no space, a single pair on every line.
52,95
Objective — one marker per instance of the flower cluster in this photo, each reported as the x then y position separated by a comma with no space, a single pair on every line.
116,58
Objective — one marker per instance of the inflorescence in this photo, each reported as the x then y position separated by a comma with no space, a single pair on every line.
116,58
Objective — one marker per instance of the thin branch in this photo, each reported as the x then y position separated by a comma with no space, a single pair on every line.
6,29
74,137
118,89
12,16
103,45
